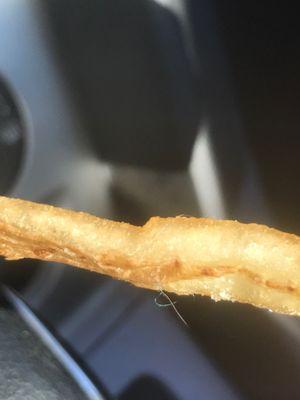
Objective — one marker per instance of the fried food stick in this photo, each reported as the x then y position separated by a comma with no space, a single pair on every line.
225,260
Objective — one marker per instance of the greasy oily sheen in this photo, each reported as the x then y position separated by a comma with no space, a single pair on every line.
225,260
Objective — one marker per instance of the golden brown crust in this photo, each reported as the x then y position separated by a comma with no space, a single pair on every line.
223,259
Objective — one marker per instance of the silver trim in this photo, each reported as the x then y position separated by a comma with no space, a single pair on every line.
83,381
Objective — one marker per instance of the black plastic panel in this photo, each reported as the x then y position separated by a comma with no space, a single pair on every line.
11,138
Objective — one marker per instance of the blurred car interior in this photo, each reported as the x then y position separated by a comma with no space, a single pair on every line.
128,109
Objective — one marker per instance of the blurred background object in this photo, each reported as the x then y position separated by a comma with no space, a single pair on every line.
128,109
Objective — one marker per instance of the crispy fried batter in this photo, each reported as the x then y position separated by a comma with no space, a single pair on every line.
225,260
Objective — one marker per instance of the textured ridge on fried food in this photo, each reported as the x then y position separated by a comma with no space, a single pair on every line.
226,260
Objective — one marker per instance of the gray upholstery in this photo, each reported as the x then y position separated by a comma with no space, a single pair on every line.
28,370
